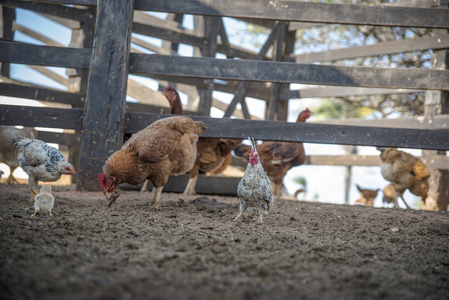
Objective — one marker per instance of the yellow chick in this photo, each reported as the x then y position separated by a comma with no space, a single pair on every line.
44,201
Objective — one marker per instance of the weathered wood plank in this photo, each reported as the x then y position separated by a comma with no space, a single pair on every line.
340,91
41,94
206,185
240,129
404,46
69,139
289,72
73,2
309,133
106,93
41,116
22,53
170,35
37,36
52,9
421,122
307,12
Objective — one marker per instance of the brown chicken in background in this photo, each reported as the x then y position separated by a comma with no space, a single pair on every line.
166,147
404,171
367,196
277,157
213,155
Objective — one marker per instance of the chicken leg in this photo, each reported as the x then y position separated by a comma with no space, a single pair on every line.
156,198
190,188
33,195
144,188
34,215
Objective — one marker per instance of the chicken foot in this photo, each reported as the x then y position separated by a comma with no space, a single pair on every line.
157,195
112,199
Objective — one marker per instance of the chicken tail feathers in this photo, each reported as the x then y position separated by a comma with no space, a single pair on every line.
201,127
20,142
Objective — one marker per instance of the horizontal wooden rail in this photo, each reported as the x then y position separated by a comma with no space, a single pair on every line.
283,72
230,69
22,53
359,14
241,129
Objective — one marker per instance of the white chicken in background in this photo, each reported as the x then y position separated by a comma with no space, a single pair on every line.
8,154
255,187
41,162
44,201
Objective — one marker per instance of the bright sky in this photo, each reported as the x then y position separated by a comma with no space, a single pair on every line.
323,182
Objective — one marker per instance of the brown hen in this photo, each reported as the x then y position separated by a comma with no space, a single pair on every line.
166,147
404,171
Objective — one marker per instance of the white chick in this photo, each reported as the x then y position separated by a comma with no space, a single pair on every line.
44,201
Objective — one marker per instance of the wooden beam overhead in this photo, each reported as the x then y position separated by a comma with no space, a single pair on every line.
238,129
359,14
228,69
52,9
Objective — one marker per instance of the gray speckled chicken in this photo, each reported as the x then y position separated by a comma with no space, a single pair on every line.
41,162
255,187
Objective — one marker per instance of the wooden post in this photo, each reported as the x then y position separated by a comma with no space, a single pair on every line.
276,87
82,37
211,31
8,15
437,102
106,94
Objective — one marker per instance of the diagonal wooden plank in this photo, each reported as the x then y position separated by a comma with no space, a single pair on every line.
242,87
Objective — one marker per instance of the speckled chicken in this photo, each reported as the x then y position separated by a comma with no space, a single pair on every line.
166,147
278,157
255,187
8,154
41,162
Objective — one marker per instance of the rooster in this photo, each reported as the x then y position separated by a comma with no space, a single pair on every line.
404,171
278,157
41,162
213,155
8,154
166,147
255,187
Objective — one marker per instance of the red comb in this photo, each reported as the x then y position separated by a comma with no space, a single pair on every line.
169,88
100,179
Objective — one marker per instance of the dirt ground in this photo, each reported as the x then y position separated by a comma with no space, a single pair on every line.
192,249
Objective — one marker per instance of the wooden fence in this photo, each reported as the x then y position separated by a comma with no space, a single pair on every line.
105,50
